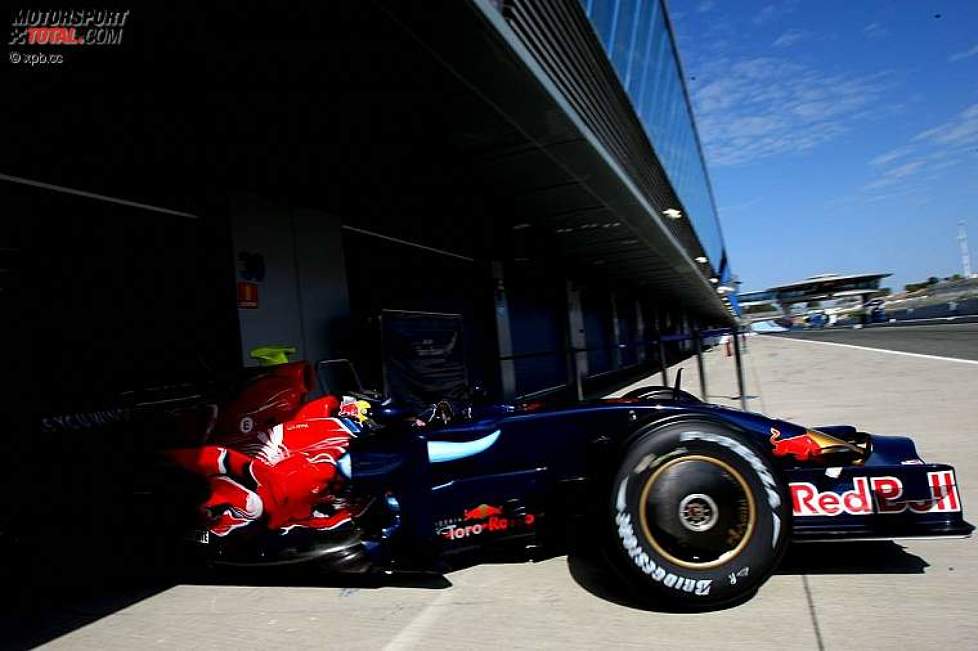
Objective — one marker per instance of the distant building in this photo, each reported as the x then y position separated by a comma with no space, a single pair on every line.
821,287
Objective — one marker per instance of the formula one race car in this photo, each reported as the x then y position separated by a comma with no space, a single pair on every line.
694,503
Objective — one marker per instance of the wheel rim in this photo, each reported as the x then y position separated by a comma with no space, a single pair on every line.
697,512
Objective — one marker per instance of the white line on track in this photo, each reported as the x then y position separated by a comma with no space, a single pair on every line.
919,323
885,350
412,636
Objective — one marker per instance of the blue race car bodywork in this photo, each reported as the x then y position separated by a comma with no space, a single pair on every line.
695,502
553,458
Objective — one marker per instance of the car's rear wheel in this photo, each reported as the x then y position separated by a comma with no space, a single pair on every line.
699,516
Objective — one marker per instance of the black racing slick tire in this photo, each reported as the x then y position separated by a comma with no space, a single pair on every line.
661,393
700,517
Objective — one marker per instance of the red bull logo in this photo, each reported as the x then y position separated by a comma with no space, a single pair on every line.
807,500
355,410
802,448
808,446
481,512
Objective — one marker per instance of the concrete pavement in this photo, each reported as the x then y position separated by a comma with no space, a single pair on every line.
880,599
857,595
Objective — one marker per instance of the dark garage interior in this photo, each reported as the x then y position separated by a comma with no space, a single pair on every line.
372,160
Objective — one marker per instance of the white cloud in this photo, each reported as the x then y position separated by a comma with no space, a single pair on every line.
875,30
739,207
907,167
960,131
890,156
774,11
790,37
901,177
705,6
763,107
766,14
964,54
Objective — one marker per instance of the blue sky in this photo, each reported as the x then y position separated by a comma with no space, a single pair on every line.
841,136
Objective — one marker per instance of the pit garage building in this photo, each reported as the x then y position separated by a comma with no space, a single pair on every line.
221,180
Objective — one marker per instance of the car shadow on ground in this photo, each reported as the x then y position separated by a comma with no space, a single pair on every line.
590,571
866,557
299,578
39,607
34,613
593,573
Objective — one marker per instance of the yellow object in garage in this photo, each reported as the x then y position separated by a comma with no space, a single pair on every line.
272,355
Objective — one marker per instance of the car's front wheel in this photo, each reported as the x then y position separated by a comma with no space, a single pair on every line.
699,517
661,393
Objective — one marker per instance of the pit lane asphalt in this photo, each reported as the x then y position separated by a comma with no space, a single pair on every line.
949,339
838,596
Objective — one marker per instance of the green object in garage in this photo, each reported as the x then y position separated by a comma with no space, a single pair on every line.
272,355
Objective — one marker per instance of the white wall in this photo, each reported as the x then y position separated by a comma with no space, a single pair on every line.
323,290
304,291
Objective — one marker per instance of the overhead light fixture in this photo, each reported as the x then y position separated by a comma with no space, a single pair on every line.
714,280
701,259
519,227
672,213
724,289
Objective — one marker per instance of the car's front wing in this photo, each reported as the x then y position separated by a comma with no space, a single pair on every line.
878,501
